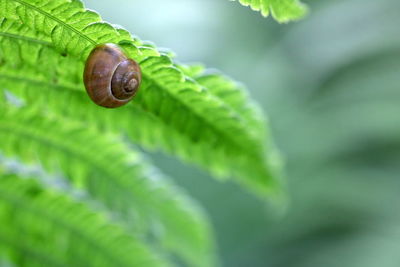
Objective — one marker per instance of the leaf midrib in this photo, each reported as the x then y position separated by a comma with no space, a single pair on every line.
44,13
25,38
202,119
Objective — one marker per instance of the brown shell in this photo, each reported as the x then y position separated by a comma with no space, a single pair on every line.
111,79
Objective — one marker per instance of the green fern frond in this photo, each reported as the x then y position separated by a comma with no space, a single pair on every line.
41,227
193,121
282,10
112,174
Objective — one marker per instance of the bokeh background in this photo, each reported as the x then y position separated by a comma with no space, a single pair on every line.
330,85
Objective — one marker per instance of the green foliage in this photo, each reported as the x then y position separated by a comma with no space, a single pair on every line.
196,121
41,227
143,199
282,10
47,120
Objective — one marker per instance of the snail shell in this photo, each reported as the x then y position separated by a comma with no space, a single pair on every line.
111,79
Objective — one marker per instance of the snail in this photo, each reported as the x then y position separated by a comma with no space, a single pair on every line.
111,78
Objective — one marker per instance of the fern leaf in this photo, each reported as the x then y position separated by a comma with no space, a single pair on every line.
282,10
43,227
197,122
114,175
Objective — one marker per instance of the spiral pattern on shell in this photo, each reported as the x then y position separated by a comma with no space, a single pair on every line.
111,79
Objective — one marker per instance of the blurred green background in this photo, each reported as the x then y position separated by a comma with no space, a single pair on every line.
330,85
